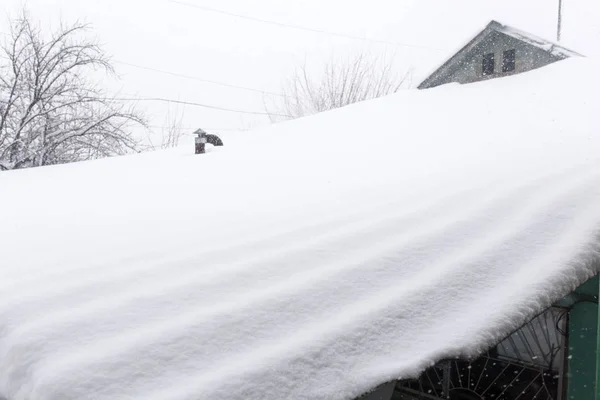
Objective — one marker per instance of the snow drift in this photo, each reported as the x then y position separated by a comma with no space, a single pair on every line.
314,259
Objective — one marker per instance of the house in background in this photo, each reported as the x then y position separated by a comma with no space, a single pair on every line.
497,51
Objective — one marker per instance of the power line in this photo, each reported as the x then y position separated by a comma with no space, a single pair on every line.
197,78
189,103
304,28
186,128
193,77
166,100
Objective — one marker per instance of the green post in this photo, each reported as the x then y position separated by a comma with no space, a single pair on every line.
598,352
582,365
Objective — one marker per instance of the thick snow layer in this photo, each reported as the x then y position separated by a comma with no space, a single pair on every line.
552,47
312,260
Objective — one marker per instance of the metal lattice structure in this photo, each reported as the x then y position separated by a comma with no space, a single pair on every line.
527,365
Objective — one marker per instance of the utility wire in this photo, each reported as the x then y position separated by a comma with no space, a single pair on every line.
186,128
191,77
126,97
197,78
189,103
299,27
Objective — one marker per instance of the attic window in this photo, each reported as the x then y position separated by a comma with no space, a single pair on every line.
508,61
487,66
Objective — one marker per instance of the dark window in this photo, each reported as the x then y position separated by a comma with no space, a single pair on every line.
508,61
488,64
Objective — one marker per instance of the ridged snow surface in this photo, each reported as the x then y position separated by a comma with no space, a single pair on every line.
314,259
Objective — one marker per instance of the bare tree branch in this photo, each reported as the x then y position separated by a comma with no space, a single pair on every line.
50,112
341,83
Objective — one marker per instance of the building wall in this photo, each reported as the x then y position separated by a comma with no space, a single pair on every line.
469,68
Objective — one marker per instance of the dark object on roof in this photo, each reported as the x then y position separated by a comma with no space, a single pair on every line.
497,51
203,138
214,140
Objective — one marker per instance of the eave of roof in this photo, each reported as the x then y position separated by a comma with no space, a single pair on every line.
541,43
495,26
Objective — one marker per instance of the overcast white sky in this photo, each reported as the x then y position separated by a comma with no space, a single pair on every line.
173,37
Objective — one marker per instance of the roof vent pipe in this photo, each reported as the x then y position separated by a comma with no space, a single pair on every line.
203,138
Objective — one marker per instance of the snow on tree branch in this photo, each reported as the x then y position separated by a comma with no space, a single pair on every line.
50,111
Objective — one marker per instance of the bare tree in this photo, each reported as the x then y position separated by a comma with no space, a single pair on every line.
342,82
171,132
50,111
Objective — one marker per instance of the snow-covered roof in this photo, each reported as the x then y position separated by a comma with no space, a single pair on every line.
457,55
314,259
544,44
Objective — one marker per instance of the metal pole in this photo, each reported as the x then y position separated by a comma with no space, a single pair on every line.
598,356
446,368
559,20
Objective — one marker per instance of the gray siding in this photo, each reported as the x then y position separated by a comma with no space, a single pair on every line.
469,68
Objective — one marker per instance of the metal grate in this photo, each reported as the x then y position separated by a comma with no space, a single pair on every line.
527,365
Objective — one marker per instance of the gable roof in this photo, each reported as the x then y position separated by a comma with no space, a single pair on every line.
547,45
553,48
307,260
